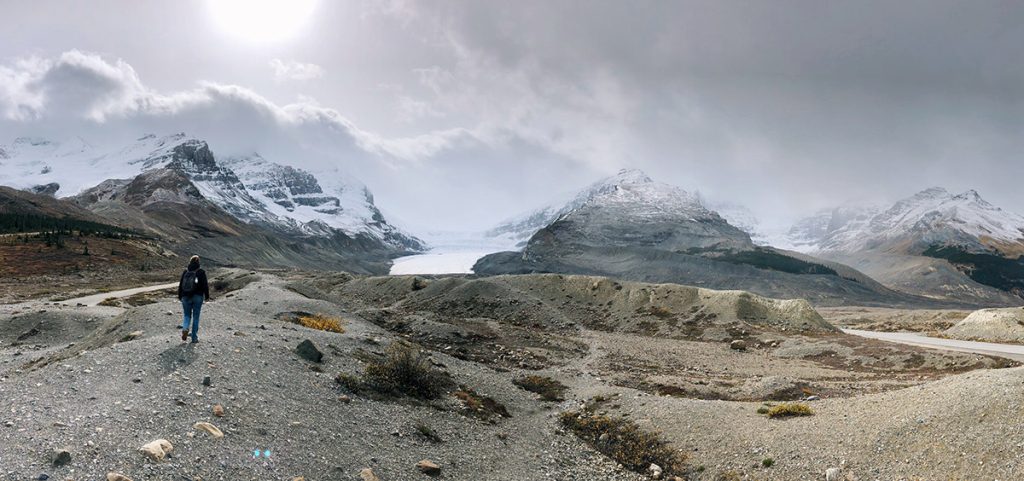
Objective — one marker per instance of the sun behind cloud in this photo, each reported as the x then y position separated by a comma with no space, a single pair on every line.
261,20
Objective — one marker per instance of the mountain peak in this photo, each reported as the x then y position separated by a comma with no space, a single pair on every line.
629,176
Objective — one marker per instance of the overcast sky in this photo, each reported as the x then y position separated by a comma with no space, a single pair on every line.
458,114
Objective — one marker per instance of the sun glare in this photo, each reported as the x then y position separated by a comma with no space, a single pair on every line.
261,20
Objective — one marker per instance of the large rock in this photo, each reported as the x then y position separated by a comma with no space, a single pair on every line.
308,351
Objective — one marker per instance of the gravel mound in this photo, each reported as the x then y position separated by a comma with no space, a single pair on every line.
596,302
991,325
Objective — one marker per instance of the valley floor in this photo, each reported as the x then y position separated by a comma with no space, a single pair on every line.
85,379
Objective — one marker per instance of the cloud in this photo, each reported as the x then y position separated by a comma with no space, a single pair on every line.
81,90
292,70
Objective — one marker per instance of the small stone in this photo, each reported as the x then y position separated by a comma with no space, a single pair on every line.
655,471
428,467
168,313
345,399
43,477
117,477
132,336
309,352
210,428
239,334
832,474
738,345
367,474
207,381
603,437
157,450
812,398
61,457
218,410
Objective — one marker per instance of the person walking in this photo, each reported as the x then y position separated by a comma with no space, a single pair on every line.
193,289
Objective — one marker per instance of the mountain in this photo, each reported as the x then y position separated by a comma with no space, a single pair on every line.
934,243
631,227
177,188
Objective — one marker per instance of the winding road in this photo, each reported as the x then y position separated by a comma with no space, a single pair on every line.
1009,351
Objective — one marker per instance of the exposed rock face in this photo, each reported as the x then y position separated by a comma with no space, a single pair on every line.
629,226
45,189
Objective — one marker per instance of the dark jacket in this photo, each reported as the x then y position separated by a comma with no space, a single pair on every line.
204,286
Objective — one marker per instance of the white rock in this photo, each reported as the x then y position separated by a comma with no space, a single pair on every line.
832,474
157,450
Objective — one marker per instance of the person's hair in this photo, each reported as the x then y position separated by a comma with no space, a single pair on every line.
193,260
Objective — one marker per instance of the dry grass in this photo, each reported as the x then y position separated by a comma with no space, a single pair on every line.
321,322
625,442
549,389
789,410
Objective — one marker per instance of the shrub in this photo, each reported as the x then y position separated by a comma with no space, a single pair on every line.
789,409
762,410
404,370
549,389
767,462
625,442
322,322
481,406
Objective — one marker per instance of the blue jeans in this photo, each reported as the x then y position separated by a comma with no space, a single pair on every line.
192,305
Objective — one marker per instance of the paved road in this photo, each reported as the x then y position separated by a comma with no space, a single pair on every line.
1010,351
98,298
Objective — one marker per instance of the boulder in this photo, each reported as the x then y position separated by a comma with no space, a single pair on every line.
117,477
738,345
218,410
309,352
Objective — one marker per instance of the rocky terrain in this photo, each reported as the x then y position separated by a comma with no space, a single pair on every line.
693,366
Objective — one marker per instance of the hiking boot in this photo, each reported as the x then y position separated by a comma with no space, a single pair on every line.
184,335
195,341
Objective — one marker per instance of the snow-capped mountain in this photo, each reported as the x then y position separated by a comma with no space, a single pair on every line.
249,188
630,193
931,217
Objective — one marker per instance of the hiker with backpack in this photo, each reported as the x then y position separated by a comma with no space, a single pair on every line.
193,289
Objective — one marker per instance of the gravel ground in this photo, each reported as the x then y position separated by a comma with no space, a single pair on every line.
83,382
105,403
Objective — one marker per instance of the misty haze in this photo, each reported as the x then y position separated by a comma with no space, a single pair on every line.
314,240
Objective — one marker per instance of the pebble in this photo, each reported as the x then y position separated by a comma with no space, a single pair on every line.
427,466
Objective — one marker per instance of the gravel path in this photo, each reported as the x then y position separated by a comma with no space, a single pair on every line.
1009,351
95,299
